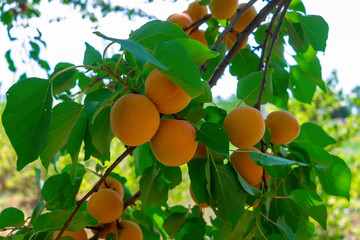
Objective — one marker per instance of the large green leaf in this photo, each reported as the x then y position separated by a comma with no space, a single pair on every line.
311,204
174,222
180,67
244,63
197,176
26,118
335,179
301,84
141,55
96,101
64,81
316,31
11,217
149,34
63,119
143,158
310,133
215,115
92,57
312,69
214,136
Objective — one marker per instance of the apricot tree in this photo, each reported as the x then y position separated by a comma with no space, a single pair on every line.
155,97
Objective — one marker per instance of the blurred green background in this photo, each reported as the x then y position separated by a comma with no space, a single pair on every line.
336,112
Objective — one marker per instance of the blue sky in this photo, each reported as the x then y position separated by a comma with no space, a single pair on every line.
66,39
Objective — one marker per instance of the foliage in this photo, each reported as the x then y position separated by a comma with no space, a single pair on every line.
69,115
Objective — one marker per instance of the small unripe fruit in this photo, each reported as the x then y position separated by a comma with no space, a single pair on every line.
174,143
245,126
134,119
283,126
223,9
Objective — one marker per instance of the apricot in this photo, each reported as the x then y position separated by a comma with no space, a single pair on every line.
134,119
202,205
245,126
114,185
129,230
245,19
231,38
167,97
77,235
181,19
174,143
283,127
105,205
223,9
196,11
201,151
200,36
246,167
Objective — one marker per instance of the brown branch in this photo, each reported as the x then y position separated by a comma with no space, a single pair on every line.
260,17
267,61
131,201
95,188
198,22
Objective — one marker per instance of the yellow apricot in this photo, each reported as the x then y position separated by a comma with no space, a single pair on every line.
181,19
167,97
245,19
105,205
231,38
283,127
134,119
129,231
114,184
202,205
196,11
245,126
200,36
246,167
223,9
201,151
174,143
77,235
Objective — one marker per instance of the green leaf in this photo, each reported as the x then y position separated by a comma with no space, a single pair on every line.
149,34
316,31
310,133
297,5
173,176
26,118
64,81
180,67
101,133
193,112
59,192
11,217
214,136
10,61
141,55
92,57
301,85
154,190
215,115
63,119
143,158
312,70
174,222
311,204
96,101
248,88
214,62
336,179
194,229
197,169
198,52
206,95
244,63
295,32
228,198
280,80
275,166
54,221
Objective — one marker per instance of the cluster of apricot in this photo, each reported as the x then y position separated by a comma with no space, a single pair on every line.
246,127
220,9
135,120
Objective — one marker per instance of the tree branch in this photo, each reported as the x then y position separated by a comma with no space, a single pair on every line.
131,201
198,22
260,17
128,151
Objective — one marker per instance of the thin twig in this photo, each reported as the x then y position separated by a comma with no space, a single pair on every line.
131,201
267,61
260,17
95,188
198,22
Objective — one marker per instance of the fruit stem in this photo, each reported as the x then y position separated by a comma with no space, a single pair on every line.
104,53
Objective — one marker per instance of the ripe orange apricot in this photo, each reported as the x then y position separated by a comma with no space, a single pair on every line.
202,205
134,119
223,9
196,11
174,143
246,167
283,126
245,126
167,97
105,205
231,38
129,230
200,36
245,19
77,235
201,151
114,184
181,19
